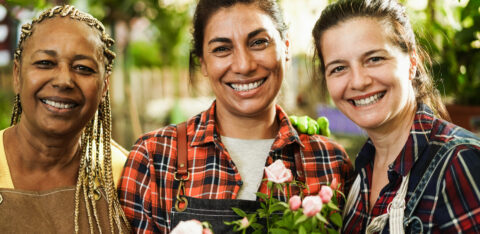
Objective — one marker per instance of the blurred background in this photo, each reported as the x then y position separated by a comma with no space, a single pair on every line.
150,85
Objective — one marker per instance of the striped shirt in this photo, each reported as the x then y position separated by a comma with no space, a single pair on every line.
148,189
451,201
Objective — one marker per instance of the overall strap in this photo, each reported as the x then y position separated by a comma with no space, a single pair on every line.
181,174
299,166
182,149
352,196
437,160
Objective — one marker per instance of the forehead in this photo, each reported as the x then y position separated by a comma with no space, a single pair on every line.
356,34
238,19
64,33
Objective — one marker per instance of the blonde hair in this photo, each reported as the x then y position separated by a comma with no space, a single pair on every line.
96,135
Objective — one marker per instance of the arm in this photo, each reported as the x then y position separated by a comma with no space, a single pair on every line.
135,190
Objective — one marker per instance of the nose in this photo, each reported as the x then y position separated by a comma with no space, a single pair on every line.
243,62
63,78
360,78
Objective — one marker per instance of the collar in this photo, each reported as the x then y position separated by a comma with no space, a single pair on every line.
416,144
206,131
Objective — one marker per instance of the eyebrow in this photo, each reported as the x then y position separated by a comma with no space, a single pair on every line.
52,53
228,40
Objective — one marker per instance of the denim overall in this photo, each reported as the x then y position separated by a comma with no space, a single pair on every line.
410,223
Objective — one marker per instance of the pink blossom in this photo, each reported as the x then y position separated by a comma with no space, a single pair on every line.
188,227
295,202
207,231
278,173
325,194
244,223
311,205
334,184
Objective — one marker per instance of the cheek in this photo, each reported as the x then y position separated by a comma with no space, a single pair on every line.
334,88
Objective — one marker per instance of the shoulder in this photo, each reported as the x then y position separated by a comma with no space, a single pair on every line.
322,143
119,157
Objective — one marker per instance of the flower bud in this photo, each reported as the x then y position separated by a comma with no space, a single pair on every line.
295,202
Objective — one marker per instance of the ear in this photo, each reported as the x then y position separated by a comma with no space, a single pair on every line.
413,65
203,67
16,76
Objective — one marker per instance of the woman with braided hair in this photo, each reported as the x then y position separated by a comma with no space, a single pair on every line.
58,164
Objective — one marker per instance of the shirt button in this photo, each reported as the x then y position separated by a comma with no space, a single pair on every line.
240,182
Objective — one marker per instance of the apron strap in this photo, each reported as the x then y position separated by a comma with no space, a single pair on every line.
352,196
182,149
299,166
181,202
394,214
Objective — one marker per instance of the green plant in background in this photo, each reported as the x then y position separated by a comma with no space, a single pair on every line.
6,101
453,41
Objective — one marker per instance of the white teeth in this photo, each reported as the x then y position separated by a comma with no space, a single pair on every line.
58,105
247,87
369,100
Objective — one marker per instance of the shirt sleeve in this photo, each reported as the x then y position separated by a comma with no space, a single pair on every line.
459,205
135,190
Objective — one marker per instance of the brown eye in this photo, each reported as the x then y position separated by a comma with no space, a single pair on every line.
84,70
44,64
259,43
221,51
337,69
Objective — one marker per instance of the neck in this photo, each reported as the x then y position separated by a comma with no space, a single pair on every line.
390,138
36,151
260,126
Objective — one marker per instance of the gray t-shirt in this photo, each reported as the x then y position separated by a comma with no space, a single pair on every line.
249,156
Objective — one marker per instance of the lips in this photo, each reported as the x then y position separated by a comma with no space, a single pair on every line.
368,99
243,87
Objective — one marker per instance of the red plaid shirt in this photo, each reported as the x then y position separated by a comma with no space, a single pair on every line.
450,203
147,189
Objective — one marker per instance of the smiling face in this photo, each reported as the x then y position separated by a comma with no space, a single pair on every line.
368,77
244,58
61,77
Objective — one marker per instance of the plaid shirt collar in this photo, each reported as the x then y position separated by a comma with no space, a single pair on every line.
207,133
417,142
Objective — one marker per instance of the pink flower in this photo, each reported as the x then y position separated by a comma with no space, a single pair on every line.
325,194
188,227
244,223
334,184
311,205
295,202
207,231
278,173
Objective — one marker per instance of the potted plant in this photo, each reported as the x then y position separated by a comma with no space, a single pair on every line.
454,44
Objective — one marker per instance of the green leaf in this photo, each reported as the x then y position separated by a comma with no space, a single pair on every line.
282,223
301,219
336,219
262,195
321,218
239,212
332,231
332,206
278,231
301,230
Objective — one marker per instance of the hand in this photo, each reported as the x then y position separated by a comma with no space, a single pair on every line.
305,124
